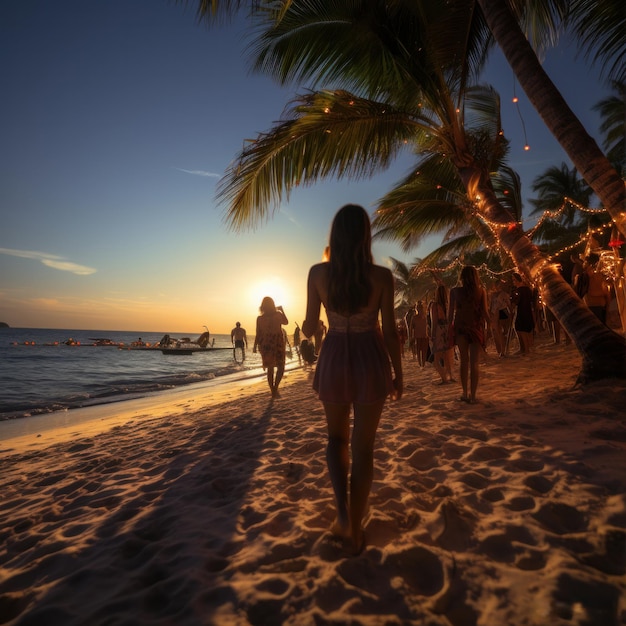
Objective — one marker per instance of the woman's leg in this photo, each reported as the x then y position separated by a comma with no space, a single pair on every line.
338,460
464,363
506,335
270,377
423,351
366,418
448,361
524,340
475,350
498,334
439,363
280,370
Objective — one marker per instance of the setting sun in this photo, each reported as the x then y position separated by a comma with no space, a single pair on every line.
275,288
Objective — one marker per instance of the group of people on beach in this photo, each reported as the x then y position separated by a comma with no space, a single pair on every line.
360,363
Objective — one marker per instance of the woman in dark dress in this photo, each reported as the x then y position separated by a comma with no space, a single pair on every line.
353,370
522,298
468,308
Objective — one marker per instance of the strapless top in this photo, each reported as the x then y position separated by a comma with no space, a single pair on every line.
361,322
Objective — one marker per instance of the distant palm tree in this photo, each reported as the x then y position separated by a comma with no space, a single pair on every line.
556,184
562,225
613,127
409,288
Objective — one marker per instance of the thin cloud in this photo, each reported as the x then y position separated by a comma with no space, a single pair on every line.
51,260
289,215
200,173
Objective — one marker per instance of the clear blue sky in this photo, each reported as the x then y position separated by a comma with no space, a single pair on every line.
117,120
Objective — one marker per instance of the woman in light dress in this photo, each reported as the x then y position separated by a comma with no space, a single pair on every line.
270,341
442,346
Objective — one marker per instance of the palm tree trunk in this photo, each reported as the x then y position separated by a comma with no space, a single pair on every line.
603,351
584,152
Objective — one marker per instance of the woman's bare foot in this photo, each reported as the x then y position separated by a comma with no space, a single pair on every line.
339,529
357,544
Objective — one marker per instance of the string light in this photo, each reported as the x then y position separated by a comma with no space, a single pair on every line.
497,227
516,102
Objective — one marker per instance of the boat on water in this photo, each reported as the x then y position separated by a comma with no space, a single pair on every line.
167,345
186,346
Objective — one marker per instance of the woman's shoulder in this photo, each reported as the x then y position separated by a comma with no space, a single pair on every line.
320,267
383,273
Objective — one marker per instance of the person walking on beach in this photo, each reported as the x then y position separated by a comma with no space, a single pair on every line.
353,371
296,342
597,295
469,314
442,347
500,316
403,335
270,341
239,339
522,298
419,327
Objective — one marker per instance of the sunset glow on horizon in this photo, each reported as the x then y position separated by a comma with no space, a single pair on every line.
118,121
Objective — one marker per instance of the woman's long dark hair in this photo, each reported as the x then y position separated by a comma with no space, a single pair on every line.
471,282
441,298
350,260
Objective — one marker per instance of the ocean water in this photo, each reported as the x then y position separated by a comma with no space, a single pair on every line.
39,374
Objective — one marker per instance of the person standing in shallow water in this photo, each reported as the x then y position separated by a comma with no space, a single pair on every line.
239,339
353,372
270,341
468,308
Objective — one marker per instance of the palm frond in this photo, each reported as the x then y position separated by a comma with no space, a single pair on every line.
613,126
324,134
600,27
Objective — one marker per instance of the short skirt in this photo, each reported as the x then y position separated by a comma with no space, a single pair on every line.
272,349
353,367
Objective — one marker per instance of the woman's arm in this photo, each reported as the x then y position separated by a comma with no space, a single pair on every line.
283,318
485,307
313,303
390,333
257,335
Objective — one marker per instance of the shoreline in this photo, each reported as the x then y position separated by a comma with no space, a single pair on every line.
48,428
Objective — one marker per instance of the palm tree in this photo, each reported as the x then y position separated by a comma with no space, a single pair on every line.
562,228
409,86
599,26
433,200
613,112
583,151
408,66
409,287
556,184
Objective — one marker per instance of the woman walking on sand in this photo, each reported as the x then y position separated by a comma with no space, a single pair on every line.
353,370
270,340
442,347
468,308
522,298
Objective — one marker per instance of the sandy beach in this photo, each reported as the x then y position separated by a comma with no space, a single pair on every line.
200,509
